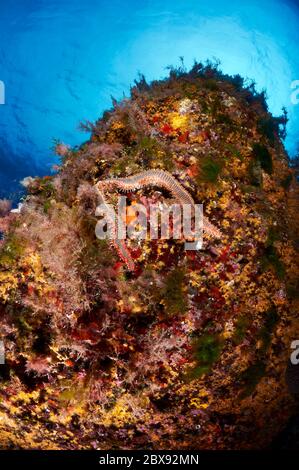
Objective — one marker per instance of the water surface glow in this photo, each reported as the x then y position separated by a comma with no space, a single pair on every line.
61,60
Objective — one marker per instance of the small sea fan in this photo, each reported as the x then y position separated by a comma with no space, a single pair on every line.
62,149
87,197
5,206
38,365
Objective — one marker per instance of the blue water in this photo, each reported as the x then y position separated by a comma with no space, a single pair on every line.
61,60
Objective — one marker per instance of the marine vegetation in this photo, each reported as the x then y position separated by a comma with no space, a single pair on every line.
159,348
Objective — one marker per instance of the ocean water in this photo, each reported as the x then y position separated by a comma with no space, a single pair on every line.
62,60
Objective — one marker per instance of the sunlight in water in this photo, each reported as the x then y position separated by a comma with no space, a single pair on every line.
62,63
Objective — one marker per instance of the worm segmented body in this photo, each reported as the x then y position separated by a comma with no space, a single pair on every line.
149,178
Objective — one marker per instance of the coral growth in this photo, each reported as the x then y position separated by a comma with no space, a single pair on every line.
189,349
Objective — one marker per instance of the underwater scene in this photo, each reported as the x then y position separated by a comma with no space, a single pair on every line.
149,165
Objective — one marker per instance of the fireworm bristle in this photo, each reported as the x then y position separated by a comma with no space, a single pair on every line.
150,178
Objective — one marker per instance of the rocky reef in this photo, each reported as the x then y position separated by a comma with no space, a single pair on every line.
188,349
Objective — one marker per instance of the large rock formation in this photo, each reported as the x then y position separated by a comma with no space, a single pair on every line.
189,349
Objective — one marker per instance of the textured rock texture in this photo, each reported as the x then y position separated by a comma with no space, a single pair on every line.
189,349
